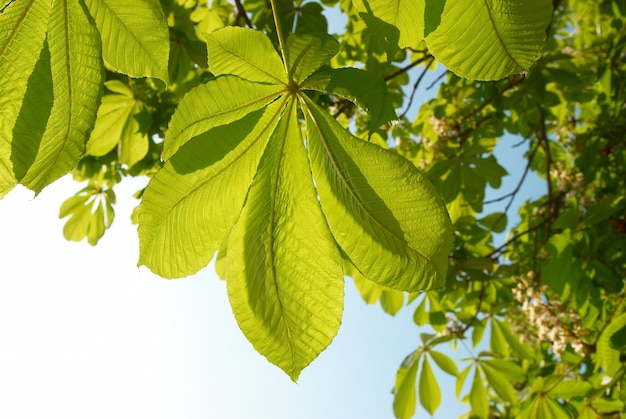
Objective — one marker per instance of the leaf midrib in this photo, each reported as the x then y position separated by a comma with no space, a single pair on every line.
497,33
287,113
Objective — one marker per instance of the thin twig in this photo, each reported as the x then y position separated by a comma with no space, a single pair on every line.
441,76
407,68
518,186
492,98
517,236
475,317
546,144
415,86
279,34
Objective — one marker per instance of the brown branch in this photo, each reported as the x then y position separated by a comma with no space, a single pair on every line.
241,13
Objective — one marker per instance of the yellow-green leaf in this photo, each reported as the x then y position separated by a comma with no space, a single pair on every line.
430,395
284,275
135,36
383,212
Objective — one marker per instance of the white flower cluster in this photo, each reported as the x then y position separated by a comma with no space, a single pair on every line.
567,182
548,319
441,126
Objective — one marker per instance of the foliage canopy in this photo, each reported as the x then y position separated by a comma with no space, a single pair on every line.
296,157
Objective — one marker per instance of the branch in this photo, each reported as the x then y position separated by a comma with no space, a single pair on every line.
517,236
502,91
473,319
546,144
416,85
512,194
439,77
408,67
241,13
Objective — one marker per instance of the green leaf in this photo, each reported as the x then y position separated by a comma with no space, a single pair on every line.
404,19
361,87
609,357
488,40
460,381
498,343
391,301
513,372
237,170
444,362
246,53
218,102
23,26
478,330
90,212
523,350
285,275
192,203
370,291
121,120
570,388
618,340
608,405
135,36
404,400
495,222
77,74
377,204
307,53
429,393
500,384
478,396
420,315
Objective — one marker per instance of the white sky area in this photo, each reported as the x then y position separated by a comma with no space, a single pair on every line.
86,334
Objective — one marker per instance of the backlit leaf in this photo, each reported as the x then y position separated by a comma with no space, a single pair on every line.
307,53
141,28
478,396
245,53
77,74
404,19
404,391
376,204
23,26
363,88
221,101
444,362
488,40
185,212
609,357
284,275
430,395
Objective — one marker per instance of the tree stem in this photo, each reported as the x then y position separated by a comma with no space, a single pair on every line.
279,34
